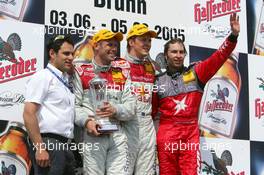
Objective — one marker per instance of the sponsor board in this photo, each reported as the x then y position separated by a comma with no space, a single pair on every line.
224,156
21,55
256,97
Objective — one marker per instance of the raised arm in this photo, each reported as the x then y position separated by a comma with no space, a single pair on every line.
207,68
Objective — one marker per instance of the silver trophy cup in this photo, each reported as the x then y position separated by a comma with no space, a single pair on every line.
99,97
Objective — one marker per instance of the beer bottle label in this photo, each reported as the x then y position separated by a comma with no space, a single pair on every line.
218,107
14,8
12,164
260,31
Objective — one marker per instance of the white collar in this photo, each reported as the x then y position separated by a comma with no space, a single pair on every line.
63,75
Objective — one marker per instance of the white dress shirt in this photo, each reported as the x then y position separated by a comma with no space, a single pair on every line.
56,112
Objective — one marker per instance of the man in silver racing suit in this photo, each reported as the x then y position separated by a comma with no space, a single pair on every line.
104,153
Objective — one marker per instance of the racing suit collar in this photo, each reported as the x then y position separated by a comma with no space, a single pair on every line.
99,68
135,60
175,73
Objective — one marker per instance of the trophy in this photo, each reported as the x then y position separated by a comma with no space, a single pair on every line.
99,97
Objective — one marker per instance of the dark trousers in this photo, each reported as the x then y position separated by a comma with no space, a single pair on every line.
61,158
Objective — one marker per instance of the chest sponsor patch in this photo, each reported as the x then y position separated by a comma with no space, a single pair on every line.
188,76
117,75
148,68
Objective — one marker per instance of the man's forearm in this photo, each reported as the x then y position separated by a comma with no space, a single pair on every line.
33,130
31,123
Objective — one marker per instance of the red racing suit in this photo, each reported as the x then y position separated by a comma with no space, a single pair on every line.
177,100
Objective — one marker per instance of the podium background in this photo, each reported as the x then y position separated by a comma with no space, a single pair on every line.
169,18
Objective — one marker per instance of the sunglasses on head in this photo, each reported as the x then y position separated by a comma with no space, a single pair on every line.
59,37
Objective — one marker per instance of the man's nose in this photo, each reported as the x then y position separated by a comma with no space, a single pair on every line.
71,56
114,48
179,54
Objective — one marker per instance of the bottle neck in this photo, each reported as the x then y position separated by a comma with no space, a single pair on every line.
18,131
233,62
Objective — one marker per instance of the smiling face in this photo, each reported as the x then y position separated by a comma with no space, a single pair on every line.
106,51
140,46
175,56
62,60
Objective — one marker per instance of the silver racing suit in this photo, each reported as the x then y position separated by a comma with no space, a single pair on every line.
107,153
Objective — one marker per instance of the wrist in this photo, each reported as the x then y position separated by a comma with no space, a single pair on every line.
39,147
87,121
235,33
114,111
232,37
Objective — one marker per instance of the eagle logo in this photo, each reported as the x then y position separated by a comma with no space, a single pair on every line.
7,48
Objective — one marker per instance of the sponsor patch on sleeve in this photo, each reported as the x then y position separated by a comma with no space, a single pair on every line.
78,69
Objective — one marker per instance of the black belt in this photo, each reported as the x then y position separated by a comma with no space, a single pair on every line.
60,138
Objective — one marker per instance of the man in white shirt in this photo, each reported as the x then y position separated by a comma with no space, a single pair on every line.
49,111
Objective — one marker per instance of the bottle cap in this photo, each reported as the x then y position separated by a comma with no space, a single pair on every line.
18,126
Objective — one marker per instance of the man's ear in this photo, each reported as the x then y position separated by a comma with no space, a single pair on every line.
130,42
166,58
95,46
52,54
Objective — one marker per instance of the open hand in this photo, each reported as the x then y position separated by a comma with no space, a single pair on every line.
234,24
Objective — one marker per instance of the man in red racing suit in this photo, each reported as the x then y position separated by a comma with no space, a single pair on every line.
178,99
